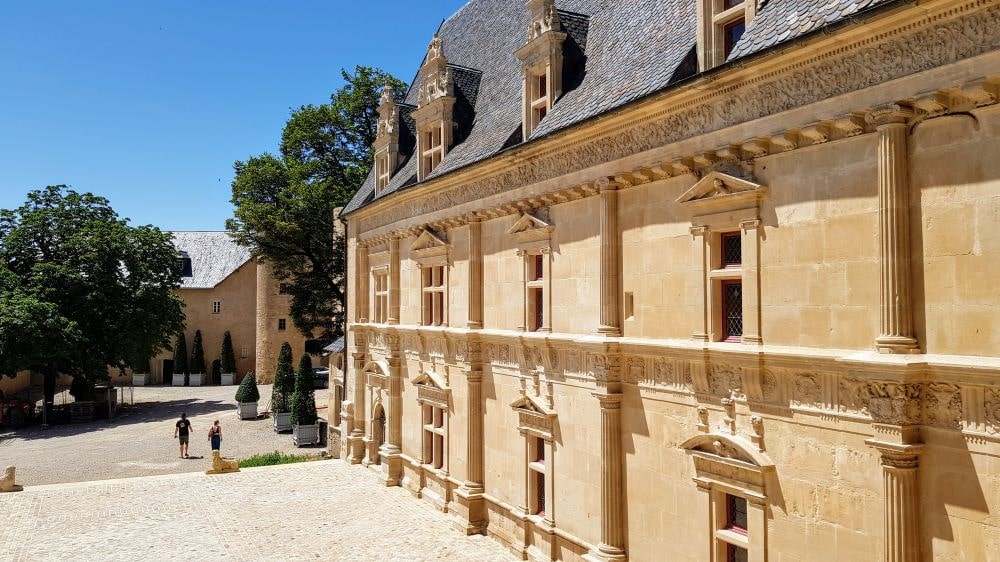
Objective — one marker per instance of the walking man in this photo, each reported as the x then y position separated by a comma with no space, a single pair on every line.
183,434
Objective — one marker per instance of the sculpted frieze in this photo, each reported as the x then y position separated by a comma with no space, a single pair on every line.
894,403
807,390
993,411
943,405
834,75
725,381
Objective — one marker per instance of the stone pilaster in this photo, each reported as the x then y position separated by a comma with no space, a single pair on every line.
610,262
896,333
612,545
475,274
701,262
901,495
393,281
470,506
390,454
356,439
361,292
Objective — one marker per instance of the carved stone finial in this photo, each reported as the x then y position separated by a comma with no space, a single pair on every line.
436,48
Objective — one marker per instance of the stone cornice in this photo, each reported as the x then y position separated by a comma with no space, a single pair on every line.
894,45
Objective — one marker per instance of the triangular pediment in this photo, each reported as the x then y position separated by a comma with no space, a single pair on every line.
728,447
719,185
530,223
531,405
430,379
427,240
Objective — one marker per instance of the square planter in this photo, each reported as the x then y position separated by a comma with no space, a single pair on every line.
305,434
282,422
178,379
247,410
139,380
82,411
197,379
228,379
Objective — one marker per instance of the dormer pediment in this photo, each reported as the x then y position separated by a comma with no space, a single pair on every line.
718,192
431,380
532,405
530,223
432,389
429,245
534,417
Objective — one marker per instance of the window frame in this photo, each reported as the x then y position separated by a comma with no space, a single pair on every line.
380,295
434,436
216,307
434,294
282,324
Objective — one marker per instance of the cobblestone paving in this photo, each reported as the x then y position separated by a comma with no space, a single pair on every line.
142,442
325,510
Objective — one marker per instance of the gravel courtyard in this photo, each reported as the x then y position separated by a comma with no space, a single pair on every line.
324,510
141,442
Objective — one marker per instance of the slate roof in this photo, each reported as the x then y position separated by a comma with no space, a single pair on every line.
214,257
632,48
336,347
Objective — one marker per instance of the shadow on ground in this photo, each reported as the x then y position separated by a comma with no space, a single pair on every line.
141,412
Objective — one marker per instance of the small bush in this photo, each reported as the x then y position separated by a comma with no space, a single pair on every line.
303,399
271,459
247,392
284,381
228,356
197,355
181,355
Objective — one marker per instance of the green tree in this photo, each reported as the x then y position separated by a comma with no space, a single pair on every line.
284,380
181,355
228,356
197,354
77,272
303,399
247,391
284,203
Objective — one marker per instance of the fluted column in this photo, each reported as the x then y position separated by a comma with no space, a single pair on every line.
474,445
612,545
393,281
901,495
610,271
475,273
357,437
391,451
361,291
896,334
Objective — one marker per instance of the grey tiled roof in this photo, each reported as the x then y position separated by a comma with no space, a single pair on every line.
336,347
632,48
780,20
214,256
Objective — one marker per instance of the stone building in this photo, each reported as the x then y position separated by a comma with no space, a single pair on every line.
689,280
223,288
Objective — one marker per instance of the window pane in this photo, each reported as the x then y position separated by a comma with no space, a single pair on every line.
732,310
539,309
736,554
539,493
736,509
732,33
726,4
732,250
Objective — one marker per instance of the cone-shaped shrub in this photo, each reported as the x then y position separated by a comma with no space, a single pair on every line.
181,355
228,357
284,381
303,399
247,392
197,354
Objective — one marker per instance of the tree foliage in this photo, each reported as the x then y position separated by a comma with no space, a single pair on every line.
304,399
181,355
284,203
228,356
197,354
284,381
247,391
81,289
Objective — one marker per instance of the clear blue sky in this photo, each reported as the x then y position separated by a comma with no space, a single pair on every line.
149,103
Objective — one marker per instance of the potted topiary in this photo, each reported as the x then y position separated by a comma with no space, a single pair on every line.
180,360
281,392
228,360
305,430
247,396
197,360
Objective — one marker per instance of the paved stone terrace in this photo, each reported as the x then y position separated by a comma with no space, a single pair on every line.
324,510
142,442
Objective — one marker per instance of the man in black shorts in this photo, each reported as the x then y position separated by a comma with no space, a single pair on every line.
183,434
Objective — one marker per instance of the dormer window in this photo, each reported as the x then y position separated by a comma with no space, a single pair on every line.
722,26
542,57
184,265
387,140
435,115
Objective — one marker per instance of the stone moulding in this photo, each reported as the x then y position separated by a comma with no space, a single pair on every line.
939,34
860,387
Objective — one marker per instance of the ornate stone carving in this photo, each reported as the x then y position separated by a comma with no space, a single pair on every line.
636,371
894,403
852,399
807,390
943,405
725,380
993,411
769,386
605,368
823,77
